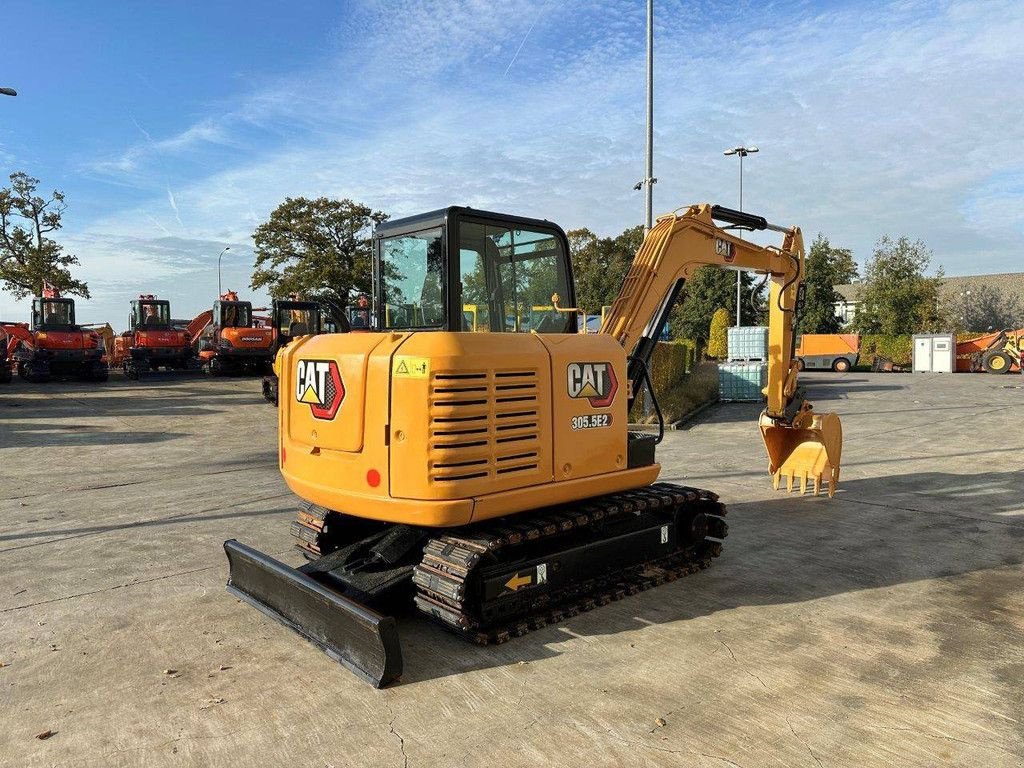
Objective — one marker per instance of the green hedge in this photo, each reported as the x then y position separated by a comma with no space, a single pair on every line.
681,382
671,361
899,349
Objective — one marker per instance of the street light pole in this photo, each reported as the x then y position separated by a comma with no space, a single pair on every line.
219,291
649,167
742,152
648,181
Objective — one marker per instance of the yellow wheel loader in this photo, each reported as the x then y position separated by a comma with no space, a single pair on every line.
490,479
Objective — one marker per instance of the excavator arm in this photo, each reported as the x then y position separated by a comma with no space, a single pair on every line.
800,443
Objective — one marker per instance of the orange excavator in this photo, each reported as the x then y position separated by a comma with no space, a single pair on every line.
55,345
151,342
230,342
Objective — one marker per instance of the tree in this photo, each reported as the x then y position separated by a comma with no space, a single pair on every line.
27,256
625,245
718,334
825,267
600,263
316,248
897,297
709,289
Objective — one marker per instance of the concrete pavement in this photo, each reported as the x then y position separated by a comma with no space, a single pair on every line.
884,627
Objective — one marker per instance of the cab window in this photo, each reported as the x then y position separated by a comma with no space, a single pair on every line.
508,276
234,315
55,313
412,280
298,321
153,314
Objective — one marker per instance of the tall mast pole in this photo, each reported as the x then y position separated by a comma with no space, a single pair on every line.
739,274
649,173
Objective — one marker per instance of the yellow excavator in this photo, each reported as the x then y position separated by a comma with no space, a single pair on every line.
490,480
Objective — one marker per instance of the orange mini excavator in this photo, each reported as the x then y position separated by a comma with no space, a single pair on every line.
151,342
53,345
231,343
490,480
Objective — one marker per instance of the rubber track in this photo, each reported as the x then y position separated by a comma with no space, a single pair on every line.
311,529
443,578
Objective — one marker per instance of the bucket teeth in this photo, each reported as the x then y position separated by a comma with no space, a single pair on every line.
812,482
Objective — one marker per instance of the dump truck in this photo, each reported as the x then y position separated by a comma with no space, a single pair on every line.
151,341
54,345
827,351
229,341
490,481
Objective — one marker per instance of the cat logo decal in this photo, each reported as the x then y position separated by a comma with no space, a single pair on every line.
595,382
318,384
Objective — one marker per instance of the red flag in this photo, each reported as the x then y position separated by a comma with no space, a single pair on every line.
49,292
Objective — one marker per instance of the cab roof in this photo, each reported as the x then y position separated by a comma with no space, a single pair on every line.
440,217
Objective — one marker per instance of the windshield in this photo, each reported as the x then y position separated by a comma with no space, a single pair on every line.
412,278
57,313
235,314
297,321
153,314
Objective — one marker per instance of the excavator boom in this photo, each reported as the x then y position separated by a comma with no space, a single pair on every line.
800,443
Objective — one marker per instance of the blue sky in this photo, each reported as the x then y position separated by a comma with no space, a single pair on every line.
175,128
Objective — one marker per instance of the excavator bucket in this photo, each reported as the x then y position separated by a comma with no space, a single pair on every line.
359,638
808,450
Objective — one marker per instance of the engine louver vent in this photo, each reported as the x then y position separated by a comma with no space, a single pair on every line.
483,424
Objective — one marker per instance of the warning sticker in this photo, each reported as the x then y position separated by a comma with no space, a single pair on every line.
410,367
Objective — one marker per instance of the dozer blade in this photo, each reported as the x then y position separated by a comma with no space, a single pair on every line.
350,633
807,450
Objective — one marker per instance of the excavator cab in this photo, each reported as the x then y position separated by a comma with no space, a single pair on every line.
150,314
291,319
232,314
460,269
53,314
